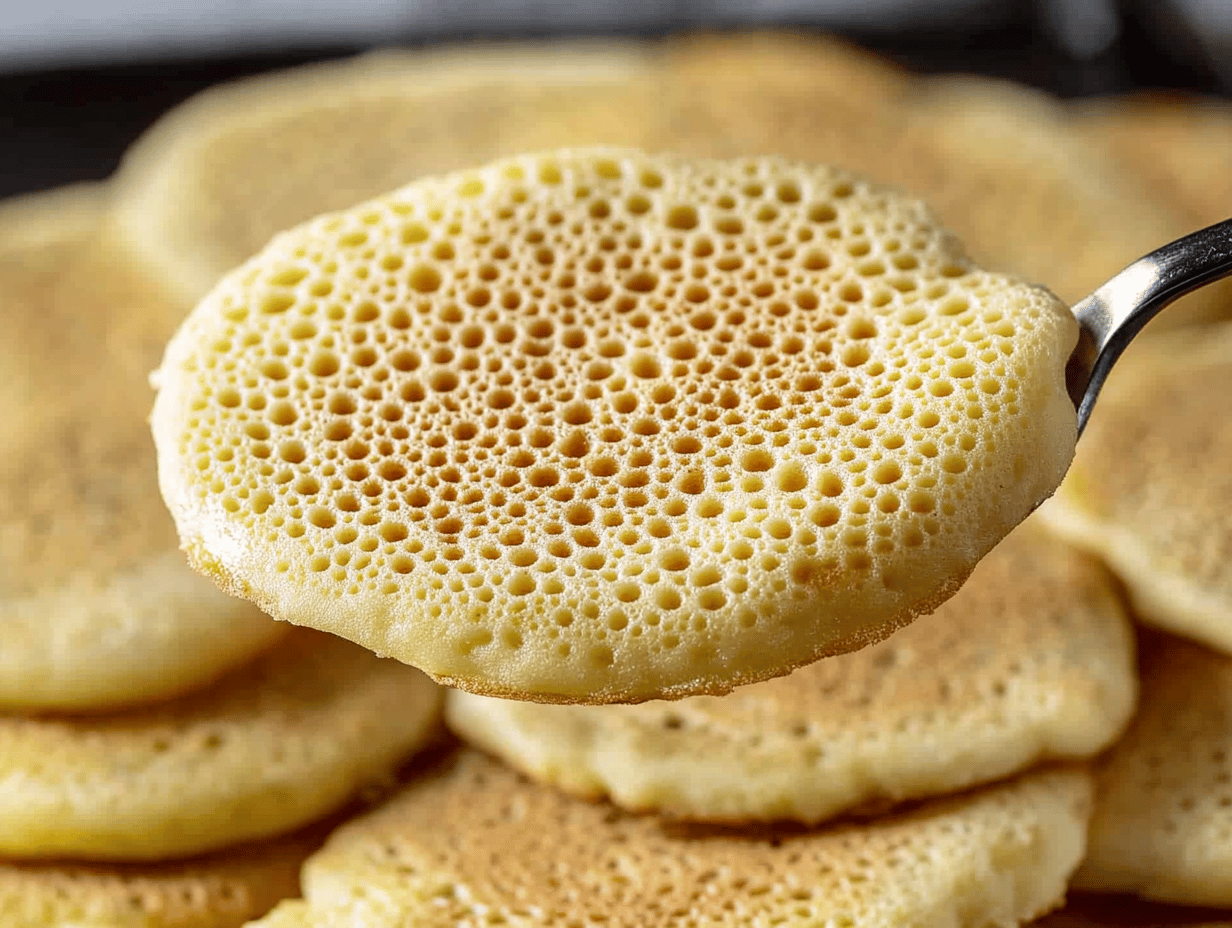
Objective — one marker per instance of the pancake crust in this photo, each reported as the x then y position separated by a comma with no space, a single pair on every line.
222,891
476,844
1150,488
1032,660
1163,820
602,426
97,607
277,743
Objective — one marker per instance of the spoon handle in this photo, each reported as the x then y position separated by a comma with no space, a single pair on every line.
1111,316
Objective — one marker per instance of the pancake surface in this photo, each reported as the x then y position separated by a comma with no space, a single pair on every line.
504,425
223,891
1150,488
1032,660
97,607
476,844
275,744
1163,818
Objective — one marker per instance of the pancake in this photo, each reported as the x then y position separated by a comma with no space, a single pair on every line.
600,426
276,744
1149,490
1183,145
476,844
216,178
1164,806
1032,660
221,891
97,607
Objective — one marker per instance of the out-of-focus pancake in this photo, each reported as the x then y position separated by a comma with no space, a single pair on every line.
475,843
275,744
1031,660
97,607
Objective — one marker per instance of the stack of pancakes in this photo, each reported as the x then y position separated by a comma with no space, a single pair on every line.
163,740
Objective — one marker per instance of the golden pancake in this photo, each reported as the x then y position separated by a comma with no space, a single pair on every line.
97,607
275,744
1031,660
222,891
216,178
1163,813
476,844
1150,487
604,426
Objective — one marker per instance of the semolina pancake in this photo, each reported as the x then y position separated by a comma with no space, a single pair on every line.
97,608
1163,813
600,426
476,844
216,178
1182,145
277,743
1150,488
1032,660
225,890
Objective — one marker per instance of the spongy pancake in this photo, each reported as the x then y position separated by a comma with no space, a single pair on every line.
1183,145
1150,487
97,607
214,180
1031,660
221,891
275,744
476,844
604,426
1163,820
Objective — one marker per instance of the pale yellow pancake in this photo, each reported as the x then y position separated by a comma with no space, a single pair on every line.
275,744
1163,818
1151,490
602,426
225,890
97,607
476,844
1032,660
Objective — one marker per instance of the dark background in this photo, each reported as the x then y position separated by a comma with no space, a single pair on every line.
59,126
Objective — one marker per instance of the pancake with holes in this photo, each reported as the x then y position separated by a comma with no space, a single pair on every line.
1150,488
476,844
97,607
1032,660
275,744
213,180
225,890
1164,806
601,426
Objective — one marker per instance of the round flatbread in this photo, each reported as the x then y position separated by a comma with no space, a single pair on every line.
475,843
601,426
1164,805
225,890
97,607
275,744
1149,490
1032,660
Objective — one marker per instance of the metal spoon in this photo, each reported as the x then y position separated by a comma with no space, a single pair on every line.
1111,316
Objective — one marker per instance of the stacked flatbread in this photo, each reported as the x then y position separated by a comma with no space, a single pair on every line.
162,740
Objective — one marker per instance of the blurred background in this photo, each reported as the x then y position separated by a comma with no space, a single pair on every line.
80,79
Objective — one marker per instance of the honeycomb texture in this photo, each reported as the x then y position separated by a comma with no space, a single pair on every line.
1163,818
606,426
1150,486
97,608
224,891
477,845
1031,660
277,743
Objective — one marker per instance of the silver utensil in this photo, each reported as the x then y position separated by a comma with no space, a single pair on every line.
1111,316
